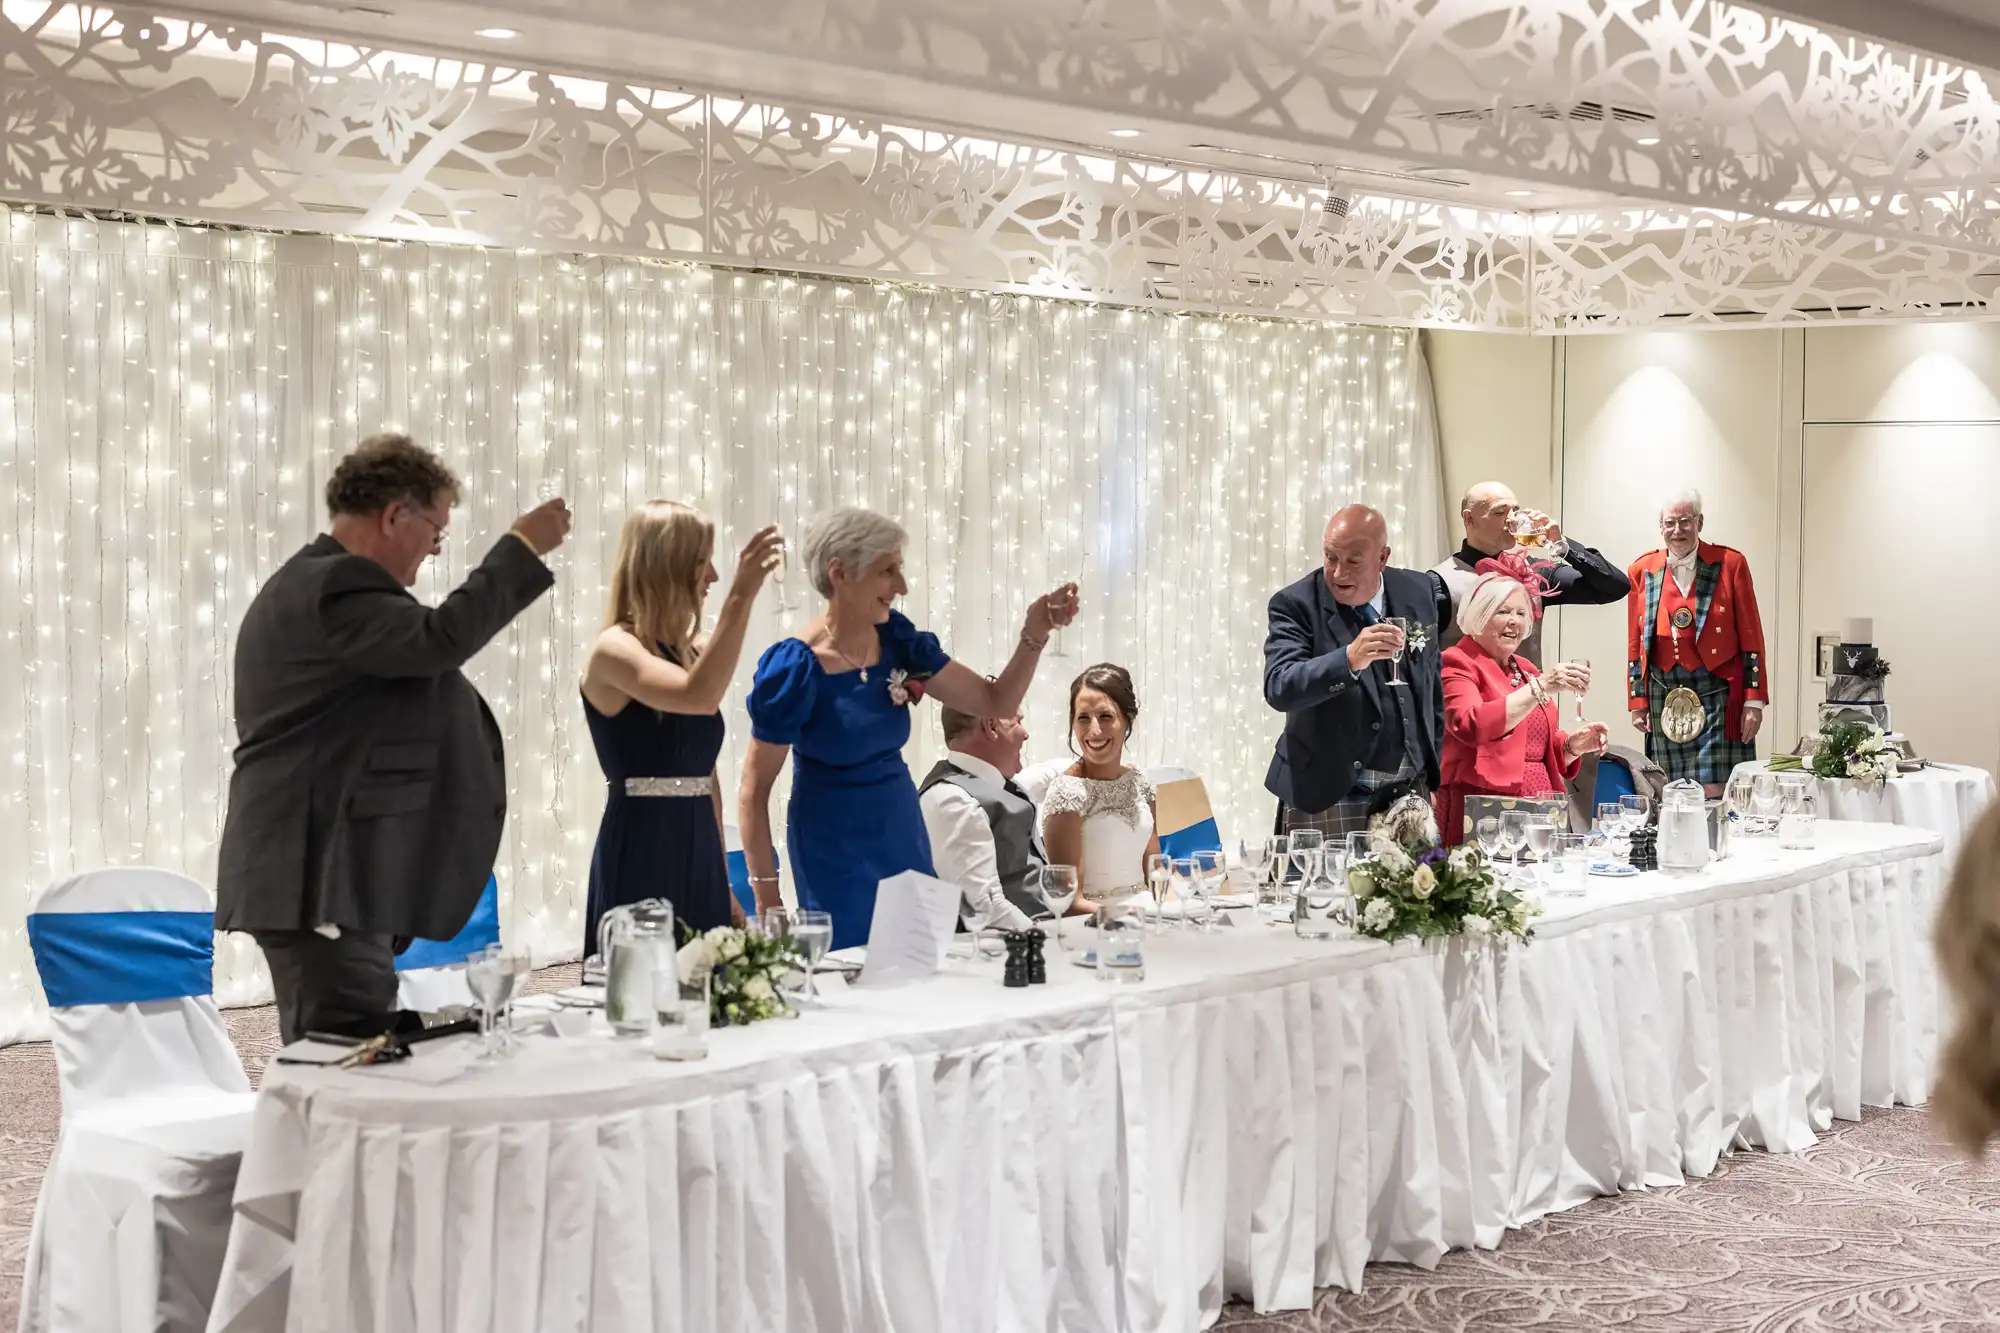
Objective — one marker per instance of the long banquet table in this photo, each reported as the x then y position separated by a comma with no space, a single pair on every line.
1261,1116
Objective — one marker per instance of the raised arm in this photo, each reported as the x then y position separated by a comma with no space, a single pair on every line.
964,689
761,767
1586,578
1293,677
375,628
620,662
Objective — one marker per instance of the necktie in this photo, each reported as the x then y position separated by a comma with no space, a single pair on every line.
1365,613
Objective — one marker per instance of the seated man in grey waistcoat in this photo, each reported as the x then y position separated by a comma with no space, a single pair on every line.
982,826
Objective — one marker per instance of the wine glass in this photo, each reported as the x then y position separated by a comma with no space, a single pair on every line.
778,922
1531,533
1210,869
1633,808
1514,834
1308,845
1402,625
1160,879
812,929
1583,662
1056,886
1764,799
1541,835
1487,831
491,974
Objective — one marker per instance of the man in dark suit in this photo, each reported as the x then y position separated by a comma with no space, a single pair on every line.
369,792
1350,733
1580,576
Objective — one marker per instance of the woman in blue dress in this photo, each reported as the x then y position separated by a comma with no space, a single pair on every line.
837,699
651,693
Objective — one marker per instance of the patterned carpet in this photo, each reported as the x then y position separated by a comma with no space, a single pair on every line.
1878,1226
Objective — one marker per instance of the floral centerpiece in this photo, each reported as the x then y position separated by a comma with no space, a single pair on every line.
1847,749
745,971
1409,885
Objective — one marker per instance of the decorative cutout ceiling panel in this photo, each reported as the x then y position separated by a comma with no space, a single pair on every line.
120,111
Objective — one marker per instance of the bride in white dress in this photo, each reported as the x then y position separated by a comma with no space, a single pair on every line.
1098,814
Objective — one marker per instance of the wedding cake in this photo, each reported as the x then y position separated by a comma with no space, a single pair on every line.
1855,689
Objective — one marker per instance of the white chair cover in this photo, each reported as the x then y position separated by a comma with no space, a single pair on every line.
430,975
133,1218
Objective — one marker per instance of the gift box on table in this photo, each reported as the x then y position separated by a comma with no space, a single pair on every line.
1555,809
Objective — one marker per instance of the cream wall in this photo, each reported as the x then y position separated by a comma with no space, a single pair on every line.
1848,464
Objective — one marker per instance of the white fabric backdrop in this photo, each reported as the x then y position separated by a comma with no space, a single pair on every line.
172,399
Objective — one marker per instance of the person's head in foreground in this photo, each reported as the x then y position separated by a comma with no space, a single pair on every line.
1966,1101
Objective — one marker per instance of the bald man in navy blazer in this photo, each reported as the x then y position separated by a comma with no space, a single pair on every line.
1352,737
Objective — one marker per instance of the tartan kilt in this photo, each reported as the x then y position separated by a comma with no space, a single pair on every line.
1710,757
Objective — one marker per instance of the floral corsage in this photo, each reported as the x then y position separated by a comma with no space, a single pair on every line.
905,689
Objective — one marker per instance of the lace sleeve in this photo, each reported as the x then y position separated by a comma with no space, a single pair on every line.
1148,793
1065,796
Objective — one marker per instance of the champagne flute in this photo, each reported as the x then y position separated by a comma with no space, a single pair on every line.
813,930
1187,886
1160,879
786,602
1583,662
1402,625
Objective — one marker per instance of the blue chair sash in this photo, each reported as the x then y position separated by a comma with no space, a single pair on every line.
739,883
1202,836
123,957
481,930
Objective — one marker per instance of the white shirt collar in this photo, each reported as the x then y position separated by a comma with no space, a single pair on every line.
976,766
1684,561
1380,601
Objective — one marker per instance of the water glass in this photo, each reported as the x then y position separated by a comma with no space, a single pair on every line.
1210,869
683,1011
1541,836
1307,844
1057,887
1121,942
1514,835
812,930
1255,855
1487,832
1321,910
492,974
1798,819
1571,865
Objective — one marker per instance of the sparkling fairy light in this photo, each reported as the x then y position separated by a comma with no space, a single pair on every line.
172,400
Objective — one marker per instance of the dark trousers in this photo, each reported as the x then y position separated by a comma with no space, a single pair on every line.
346,985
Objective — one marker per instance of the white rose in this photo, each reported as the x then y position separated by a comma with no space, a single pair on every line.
758,989
695,958
1422,883
1859,768
1378,914
730,948
1393,858
1360,883
1478,926
1460,860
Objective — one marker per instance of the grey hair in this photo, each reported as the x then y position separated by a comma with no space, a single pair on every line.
854,536
1491,593
1690,497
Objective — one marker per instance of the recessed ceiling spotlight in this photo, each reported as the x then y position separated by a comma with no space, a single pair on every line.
1649,141
1126,134
1520,194
496,34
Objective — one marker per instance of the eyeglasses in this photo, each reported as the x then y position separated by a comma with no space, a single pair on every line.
1676,524
437,529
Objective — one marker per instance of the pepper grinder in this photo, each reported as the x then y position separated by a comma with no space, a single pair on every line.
1038,963
1016,973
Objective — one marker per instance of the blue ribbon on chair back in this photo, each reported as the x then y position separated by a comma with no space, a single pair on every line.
1202,836
481,930
123,957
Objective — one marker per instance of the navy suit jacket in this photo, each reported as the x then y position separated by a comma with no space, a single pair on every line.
1332,714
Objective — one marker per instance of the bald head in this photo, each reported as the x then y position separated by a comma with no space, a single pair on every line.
1488,507
1356,551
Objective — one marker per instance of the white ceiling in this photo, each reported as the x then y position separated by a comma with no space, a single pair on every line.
1964,31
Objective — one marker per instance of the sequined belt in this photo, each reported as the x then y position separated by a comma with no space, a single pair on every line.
668,786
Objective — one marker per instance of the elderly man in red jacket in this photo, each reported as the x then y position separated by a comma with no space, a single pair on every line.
1695,648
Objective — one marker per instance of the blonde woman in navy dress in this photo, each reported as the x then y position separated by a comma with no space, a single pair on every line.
837,699
652,691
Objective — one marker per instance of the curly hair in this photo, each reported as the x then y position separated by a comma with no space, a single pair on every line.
1966,1100
384,469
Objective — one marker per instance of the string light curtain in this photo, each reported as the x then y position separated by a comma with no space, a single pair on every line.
172,401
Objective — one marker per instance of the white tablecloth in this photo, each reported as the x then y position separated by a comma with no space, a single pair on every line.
1261,1116
1944,798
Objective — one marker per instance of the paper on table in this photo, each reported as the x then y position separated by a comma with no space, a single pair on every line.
914,918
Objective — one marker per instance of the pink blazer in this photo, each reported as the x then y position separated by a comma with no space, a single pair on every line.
1479,752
